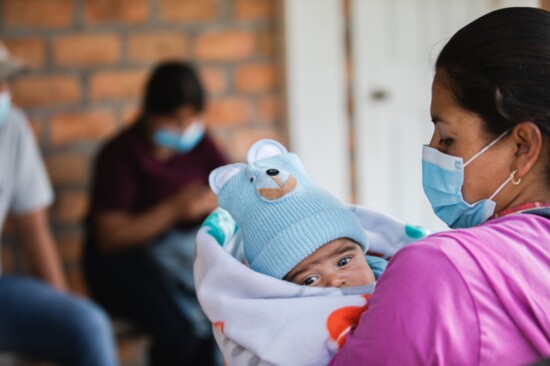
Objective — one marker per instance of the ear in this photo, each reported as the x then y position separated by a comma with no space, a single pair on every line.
264,149
528,139
219,176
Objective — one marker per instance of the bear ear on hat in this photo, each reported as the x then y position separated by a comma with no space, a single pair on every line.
219,176
264,149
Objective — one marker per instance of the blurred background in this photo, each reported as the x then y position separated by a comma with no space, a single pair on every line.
344,83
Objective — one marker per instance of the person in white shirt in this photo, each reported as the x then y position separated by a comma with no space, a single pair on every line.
38,318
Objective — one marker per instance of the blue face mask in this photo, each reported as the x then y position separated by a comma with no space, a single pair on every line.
181,142
5,106
442,179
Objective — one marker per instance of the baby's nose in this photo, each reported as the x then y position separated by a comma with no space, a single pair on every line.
337,281
272,172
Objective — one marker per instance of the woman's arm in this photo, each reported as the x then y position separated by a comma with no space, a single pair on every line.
119,229
35,236
421,313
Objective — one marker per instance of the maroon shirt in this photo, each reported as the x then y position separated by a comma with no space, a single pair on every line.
127,177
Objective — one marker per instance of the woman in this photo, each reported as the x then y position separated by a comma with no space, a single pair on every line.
479,294
149,193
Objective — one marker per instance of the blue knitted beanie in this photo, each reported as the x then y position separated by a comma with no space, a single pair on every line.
283,215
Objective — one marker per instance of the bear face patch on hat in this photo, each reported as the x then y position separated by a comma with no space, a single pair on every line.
283,215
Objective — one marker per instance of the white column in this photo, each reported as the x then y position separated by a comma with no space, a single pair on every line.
316,91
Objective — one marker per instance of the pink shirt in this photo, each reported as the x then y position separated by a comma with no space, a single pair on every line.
479,296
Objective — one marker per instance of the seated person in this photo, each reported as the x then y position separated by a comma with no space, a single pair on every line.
39,318
149,194
291,230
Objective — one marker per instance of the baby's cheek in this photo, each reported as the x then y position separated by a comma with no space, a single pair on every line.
368,275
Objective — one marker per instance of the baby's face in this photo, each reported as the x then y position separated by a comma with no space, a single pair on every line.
339,263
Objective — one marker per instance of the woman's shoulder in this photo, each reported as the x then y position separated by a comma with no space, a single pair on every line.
508,234
533,227
123,143
514,246
448,252
208,151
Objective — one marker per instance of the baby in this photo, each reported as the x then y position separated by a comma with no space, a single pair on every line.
292,229
276,220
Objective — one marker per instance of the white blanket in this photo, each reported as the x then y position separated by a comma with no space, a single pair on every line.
261,320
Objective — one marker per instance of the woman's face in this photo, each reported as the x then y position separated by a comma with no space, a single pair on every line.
177,122
460,133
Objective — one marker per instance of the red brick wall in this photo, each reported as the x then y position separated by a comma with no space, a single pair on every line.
88,61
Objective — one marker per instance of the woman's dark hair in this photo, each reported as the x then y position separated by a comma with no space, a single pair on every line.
498,67
173,85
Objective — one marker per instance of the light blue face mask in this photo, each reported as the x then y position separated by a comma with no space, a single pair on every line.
5,106
442,179
181,142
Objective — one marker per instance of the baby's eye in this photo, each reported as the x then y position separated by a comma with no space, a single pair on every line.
310,280
342,262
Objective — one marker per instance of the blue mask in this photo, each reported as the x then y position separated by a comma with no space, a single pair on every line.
442,179
181,142
5,106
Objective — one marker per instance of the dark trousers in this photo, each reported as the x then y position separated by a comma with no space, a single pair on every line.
129,284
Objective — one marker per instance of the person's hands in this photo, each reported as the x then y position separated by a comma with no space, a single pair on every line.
194,202
118,229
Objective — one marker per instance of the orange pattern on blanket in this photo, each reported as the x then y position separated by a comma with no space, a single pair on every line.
219,325
342,320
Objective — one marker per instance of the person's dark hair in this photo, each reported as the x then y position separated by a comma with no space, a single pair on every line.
498,67
173,85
